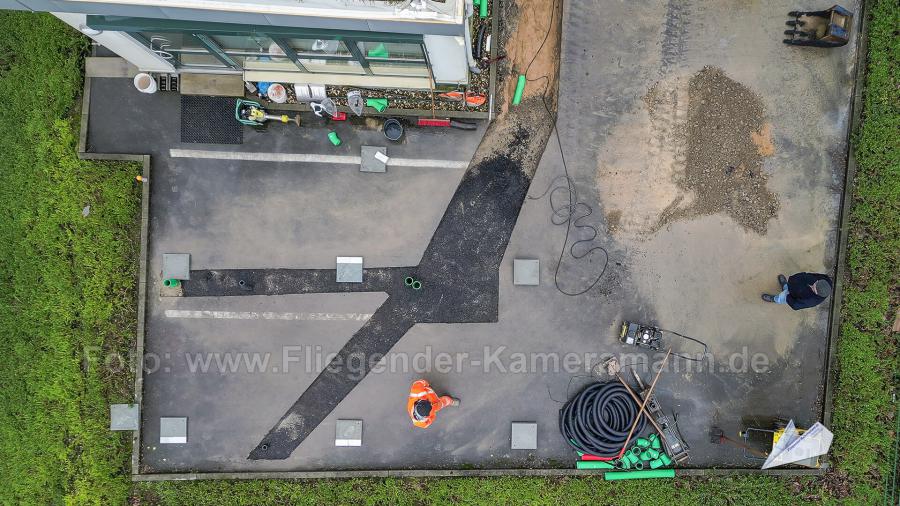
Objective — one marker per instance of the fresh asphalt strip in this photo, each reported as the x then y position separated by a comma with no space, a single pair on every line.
313,158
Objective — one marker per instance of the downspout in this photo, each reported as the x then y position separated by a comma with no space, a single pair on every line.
469,11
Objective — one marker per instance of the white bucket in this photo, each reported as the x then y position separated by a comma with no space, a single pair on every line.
145,83
277,93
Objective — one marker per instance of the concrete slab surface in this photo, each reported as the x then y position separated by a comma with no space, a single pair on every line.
233,365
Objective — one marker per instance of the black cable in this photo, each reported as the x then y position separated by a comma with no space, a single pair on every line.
597,420
567,214
689,338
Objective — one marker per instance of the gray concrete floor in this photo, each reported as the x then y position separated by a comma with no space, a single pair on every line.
700,277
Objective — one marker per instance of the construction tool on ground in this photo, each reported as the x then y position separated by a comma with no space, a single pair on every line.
651,337
251,113
647,394
470,99
669,435
717,436
828,28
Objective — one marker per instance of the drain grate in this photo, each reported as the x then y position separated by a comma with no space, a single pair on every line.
209,120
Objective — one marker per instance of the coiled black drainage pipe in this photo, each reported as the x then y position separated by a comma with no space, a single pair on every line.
597,420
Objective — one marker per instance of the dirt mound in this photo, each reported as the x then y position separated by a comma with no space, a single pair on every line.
727,138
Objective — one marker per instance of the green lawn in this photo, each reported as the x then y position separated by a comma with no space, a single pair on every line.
68,286
67,280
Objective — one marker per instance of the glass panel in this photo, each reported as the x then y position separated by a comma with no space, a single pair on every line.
247,43
332,66
280,63
389,68
166,41
332,47
392,50
199,60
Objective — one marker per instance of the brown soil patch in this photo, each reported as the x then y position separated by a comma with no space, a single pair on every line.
724,162
526,24
763,140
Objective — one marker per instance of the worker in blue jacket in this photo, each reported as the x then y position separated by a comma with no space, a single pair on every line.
802,290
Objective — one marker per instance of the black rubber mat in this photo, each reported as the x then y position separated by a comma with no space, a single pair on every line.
209,120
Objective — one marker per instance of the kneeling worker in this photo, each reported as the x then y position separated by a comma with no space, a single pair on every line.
802,290
423,403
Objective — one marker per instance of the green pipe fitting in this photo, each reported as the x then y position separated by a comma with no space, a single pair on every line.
639,475
632,458
417,285
639,465
621,463
379,104
593,464
645,456
655,443
482,9
520,89
654,454
665,459
170,283
637,450
409,281
656,463
333,137
643,443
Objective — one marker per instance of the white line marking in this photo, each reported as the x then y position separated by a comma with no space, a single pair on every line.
266,315
313,158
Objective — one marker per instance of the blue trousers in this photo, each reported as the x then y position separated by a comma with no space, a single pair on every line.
781,298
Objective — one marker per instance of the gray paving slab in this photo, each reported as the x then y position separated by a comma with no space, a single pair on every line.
701,277
124,416
370,161
176,266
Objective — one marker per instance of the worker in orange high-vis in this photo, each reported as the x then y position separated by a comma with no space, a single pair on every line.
423,403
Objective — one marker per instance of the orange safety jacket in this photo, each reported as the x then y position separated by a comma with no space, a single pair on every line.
422,390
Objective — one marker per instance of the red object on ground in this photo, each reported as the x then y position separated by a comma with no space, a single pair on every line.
594,457
340,116
442,122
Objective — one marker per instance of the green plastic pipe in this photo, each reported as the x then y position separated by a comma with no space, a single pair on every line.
379,104
639,475
333,137
482,9
593,464
520,89
643,443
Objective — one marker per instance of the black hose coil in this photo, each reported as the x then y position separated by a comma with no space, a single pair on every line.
597,420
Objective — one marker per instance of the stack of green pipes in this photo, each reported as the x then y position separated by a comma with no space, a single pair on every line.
645,450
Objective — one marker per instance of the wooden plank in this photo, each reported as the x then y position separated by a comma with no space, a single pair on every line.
218,85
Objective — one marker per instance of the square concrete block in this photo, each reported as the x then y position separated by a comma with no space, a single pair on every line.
373,159
124,416
526,272
524,436
173,430
348,433
349,269
176,266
